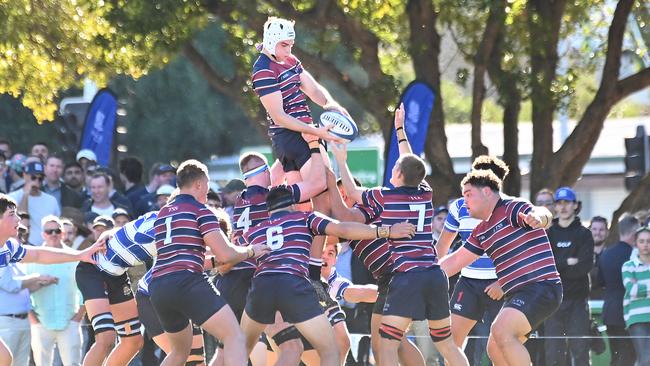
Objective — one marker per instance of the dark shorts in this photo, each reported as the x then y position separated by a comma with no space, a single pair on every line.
180,296
418,295
382,291
148,316
470,300
294,297
95,284
537,300
290,149
233,288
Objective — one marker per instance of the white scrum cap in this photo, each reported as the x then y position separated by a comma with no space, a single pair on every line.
275,31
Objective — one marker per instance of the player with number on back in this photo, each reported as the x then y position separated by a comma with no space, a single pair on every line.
250,210
416,273
375,256
179,290
281,280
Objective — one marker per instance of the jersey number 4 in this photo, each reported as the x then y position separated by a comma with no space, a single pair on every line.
244,222
274,237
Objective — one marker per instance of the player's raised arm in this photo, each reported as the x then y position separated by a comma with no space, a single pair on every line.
341,155
402,139
340,210
318,94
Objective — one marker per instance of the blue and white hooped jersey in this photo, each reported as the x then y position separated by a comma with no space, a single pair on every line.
459,221
132,245
143,284
337,285
11,252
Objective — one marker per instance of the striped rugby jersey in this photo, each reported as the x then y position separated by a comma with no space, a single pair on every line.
11,252
143,284
412,204
459,221
289,236
179,231
250,210
131,245
521,255
270,76
373,253
337,284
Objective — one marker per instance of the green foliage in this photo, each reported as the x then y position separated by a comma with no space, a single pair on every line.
50,45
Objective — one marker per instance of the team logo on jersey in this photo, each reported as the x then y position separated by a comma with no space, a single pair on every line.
458,307
126,290
518,302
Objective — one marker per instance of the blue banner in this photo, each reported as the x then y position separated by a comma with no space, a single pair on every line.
99,126
418,99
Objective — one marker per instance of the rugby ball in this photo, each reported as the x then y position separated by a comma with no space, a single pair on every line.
343,126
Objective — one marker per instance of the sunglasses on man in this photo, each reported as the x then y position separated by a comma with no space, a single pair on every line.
52,231
38,178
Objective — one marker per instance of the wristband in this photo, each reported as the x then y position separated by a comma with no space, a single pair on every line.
314,150
400,141
250,252
399,128
214,264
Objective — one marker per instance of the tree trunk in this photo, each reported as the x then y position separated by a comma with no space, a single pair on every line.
637,200
424,48
507,85
544,19
492,29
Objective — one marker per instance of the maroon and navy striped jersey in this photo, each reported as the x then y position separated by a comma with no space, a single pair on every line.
521,255
412,204
289,236
250,210
179,231
373,253
270,76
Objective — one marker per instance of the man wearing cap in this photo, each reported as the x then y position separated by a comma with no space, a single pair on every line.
32,200
162,195
86,158
573,249
121,217
160,175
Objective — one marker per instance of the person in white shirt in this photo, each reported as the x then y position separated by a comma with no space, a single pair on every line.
32,200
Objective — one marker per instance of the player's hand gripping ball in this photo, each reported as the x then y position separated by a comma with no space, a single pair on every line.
342,125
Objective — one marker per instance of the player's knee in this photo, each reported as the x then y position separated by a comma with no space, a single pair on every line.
500,334
440,334
390,332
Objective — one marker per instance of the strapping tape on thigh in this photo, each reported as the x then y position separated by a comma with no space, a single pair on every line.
102,322
128,328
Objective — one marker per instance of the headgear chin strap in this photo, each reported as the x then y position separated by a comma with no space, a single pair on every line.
255,171
276,30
